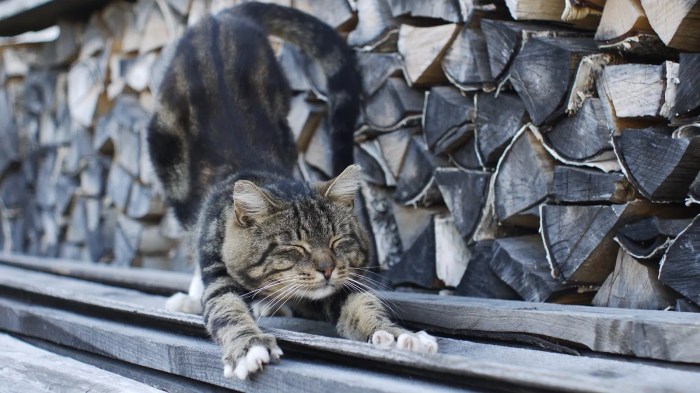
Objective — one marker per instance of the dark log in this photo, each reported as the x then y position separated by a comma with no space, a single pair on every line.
100,239
417,264
466,156
93,176
641,90
336,13
479,280
684,305
416,183
466,63
393,106
128,150
77,227
375,169
451,252
675,22
694,194
680,266
65,189
688,93
521,263
543,73
578,185
448,120
464,193
144,202
649,238
9,149
583,136
319,152
378,206
376,69
289,58
498,119
119,186
579,239
634,285
448,11
422,49
45,183
304,118
376,29
523,180
661,167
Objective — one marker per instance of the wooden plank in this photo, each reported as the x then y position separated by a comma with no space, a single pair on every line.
25,368
196,358
667,336
19,16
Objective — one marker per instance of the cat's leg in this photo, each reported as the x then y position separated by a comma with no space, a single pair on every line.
246,349
191,302
363,317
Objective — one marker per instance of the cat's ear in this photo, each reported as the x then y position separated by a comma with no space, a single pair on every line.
342,189
250,203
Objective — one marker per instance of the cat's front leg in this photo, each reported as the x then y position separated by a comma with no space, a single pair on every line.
246,349
363,317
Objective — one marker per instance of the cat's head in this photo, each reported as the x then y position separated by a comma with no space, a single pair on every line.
297,240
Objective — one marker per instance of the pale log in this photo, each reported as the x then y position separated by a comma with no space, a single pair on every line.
641,90
451,252
422,49
677,22
387,243
621,19
549,10
444,10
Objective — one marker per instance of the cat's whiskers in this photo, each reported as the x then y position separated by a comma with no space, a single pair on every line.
290,296
371,290
289,290
273,293
255,292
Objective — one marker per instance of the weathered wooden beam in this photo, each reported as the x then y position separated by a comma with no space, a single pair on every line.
19,16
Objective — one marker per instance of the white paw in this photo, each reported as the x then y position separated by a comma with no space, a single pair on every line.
253,361
181,302
415,342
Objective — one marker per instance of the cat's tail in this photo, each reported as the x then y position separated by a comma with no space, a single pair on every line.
323,44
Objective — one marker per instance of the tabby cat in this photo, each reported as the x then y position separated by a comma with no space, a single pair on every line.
224,153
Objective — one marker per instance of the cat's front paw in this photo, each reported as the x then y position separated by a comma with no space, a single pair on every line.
182,302
260,351
416,342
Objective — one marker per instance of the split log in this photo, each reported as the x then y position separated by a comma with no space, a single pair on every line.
411,222
416,184
660,166
376,69
621,19
688,92
464,193
417,264
578,185
393,106
684,305
451,252
119,186
498,119
132,238
65,190
85,83
579,239
394,146
304,118
680,266
676,22
375,169
319,153
584,135
634,285
77,227
649,238
479,280
448,11
515,192
466,63
694,194
9,149
128,150
422,49
448,120
100,235
522,264
93,176
544,71
549,10
144,202
641,90
387,242
376,29
467,155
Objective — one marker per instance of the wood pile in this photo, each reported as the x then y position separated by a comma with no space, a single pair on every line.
545,150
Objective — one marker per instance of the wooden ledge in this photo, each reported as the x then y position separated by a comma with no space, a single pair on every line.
19,16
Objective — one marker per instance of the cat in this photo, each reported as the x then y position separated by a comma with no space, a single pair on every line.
224,155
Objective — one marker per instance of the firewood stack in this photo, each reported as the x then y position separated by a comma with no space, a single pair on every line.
545,150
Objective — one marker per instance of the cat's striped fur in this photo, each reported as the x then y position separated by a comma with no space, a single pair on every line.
221,146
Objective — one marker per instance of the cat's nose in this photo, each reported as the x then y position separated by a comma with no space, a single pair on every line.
326,268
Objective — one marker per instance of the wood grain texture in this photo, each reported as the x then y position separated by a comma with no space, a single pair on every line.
26,368
448,119
422,49
660,166
622,18
447,10
601,329
676,22
636,90
650,237
479,280
393,106
498,119
464,193
375,28
634,285
416,183
466,63
582,136
688,93
376,69
680,266
579,185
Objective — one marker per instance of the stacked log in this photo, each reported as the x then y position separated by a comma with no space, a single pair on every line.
518,149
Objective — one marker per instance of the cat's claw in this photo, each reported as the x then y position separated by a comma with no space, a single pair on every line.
253,361
415,342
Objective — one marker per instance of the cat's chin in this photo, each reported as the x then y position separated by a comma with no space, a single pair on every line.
319,293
